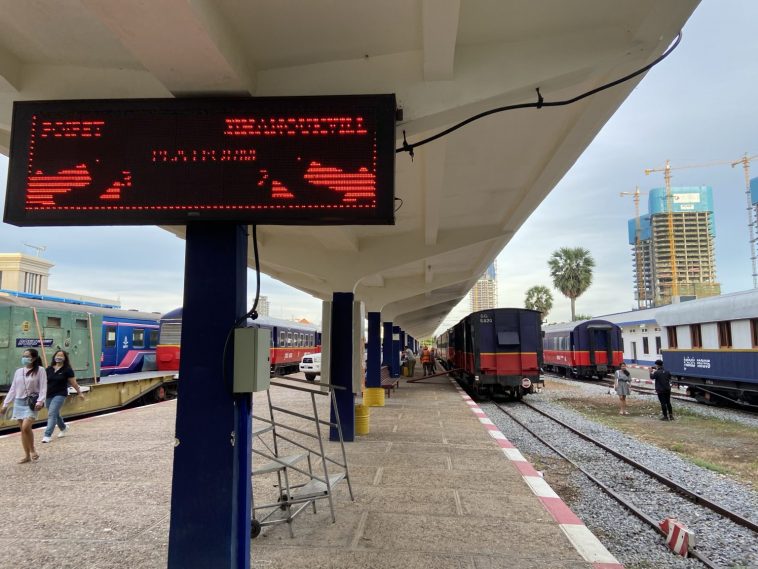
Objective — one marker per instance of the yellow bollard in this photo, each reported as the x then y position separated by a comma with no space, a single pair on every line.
362,414
373,397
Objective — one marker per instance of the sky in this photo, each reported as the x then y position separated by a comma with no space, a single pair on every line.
698,106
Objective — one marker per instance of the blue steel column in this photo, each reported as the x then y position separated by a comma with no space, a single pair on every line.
387,345
395,355
374,356
402,340
210,498
341,364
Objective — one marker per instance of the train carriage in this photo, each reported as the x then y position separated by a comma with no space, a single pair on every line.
496,351
711,345
290,341
100,340
583,349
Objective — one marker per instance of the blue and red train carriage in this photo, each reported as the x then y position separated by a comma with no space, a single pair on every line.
290,341
496,351
583,349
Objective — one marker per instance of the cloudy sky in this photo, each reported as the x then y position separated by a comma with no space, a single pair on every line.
698,106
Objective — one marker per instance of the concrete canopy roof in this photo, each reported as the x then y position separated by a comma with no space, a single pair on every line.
463,196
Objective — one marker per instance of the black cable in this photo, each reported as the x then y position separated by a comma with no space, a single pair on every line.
401,204
252,313
540,101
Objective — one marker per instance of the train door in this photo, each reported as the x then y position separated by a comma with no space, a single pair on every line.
80,349
601,350
109,358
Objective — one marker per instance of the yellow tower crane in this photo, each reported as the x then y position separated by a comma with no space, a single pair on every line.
641,290
669,210
745,161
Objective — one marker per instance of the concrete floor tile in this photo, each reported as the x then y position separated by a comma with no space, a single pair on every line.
265,557
502,505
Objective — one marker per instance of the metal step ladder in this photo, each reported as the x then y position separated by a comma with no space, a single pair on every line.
293,499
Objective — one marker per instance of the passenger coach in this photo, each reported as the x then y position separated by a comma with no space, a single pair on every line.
495,351
583,349
711,345
290,341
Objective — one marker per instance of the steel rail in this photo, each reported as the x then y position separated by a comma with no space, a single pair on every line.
625,503
689,494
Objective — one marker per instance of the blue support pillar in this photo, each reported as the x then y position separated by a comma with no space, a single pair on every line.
387,345
374,356
210,498
395,355
402,340
341,364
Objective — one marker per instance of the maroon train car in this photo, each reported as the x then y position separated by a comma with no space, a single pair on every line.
584,348
496,351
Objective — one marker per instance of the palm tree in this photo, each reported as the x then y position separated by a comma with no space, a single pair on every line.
571,269
539,298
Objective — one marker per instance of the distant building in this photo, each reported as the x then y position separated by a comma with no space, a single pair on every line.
30,274
263,306
484,293
692,231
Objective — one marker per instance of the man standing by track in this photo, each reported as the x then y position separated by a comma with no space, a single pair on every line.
662,379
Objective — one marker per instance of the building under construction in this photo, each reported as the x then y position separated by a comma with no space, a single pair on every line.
682,222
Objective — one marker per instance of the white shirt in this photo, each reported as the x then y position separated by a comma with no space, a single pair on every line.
24,385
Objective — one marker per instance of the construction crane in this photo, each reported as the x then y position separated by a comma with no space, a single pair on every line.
641,291
745,161
669,209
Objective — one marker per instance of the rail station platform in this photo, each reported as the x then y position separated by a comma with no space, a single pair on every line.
435,485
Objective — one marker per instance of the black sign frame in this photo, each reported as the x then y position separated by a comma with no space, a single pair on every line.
324,205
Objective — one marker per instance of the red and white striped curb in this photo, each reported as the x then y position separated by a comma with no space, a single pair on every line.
583,540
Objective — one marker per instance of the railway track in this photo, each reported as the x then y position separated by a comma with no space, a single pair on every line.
646,479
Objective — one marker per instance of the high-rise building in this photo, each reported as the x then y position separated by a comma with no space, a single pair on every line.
690,231
263,306
484,293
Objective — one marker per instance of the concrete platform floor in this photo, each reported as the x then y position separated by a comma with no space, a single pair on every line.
432,489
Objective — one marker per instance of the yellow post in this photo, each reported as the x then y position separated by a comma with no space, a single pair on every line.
362,414
373,397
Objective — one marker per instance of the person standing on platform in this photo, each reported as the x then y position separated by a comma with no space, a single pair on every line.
623,381
30,380
426,359
59,376
410,360
662,379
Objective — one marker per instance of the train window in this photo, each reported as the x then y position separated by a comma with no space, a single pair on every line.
53,322
282,339
725,334
138,338
110,336
302,339
153,338
657,344
289,339
645,345
696,335
507,338
80,323
671,333
754,330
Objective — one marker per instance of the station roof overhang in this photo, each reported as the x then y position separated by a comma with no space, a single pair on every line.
463,196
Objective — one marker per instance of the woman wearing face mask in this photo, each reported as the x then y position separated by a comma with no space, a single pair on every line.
59,376
28,379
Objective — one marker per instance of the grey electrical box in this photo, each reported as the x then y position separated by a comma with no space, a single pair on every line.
252,368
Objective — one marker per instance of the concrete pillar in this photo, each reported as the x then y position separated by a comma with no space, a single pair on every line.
395,355
387,345
210,498
341,364
374,348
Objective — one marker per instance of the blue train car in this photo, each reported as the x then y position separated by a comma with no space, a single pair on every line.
128,344
711,345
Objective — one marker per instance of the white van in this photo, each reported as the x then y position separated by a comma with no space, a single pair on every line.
311,366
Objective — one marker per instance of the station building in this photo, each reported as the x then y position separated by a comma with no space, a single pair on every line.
691,235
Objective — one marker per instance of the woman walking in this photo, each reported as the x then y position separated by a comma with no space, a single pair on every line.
623,380
30,380
59,376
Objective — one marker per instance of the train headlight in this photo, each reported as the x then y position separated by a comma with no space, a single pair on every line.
476,378
526,383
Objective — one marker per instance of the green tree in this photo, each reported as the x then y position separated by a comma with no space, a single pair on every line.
571,269
582,317
539,298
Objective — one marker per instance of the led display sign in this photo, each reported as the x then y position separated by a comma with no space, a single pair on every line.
285,160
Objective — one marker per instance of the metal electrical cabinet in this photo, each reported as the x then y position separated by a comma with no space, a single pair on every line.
252,368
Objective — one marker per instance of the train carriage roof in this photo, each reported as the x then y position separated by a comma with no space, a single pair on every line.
15,301
734,306
176,314
571,326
